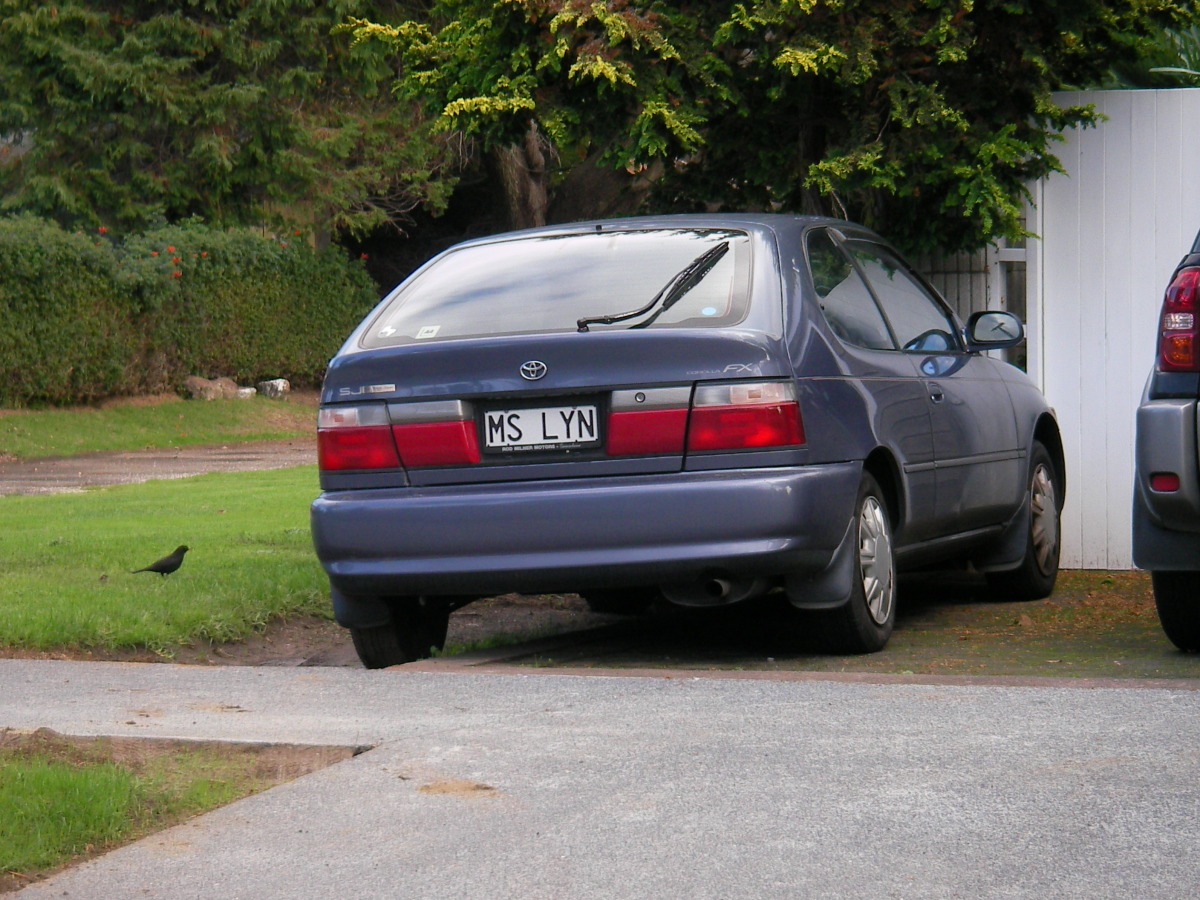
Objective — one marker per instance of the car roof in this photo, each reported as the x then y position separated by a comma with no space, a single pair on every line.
760,222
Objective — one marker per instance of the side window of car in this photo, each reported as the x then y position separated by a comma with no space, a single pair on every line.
845,301
918,320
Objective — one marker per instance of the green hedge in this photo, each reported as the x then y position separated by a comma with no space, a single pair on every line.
84,317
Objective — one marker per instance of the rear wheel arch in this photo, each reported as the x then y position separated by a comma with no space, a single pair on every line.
1046,433
882,466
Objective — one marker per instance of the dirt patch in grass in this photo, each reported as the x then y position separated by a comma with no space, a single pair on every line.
317,641
1095,625
172,768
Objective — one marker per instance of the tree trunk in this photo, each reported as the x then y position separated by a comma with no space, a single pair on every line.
524,179
593,190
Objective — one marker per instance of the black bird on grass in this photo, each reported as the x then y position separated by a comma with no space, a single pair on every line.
167,564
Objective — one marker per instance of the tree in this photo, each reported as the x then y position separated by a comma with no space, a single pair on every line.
238,112
924,118
1170,58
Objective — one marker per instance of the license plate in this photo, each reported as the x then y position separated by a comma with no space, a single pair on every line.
543,428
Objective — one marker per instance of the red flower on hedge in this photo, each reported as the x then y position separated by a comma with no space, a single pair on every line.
176,274
102,230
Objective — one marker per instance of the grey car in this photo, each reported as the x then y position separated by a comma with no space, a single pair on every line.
1166,496
701,409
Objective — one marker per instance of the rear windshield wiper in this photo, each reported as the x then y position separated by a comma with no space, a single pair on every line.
672,292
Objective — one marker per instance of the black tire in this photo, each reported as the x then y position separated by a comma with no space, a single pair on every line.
418,628
629,602
864,623
1034,578
1177,598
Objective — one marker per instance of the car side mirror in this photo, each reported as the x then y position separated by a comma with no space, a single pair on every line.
993,331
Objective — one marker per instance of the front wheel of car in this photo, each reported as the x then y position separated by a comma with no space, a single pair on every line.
417,629
1177,598
1034,578
863,624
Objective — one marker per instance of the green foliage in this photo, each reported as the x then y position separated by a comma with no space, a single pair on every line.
240,112
87,318
1169,58
68,332
587,68
924,118
241,305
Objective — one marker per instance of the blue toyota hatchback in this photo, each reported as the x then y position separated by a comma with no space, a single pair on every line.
697,408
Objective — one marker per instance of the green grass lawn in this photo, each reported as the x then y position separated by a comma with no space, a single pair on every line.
64,799
66,582
165,422
65,561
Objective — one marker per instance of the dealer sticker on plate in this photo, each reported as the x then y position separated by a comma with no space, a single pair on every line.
547,428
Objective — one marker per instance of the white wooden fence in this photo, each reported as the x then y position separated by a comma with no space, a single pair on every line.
1111,230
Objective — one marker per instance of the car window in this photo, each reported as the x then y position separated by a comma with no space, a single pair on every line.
917,319
844,299
547,283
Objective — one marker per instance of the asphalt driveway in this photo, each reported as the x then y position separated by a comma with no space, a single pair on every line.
564,786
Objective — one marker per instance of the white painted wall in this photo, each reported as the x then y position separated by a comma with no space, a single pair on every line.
1111,230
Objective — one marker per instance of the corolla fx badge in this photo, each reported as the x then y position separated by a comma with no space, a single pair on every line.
533,370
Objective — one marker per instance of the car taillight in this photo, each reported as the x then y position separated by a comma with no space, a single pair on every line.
648,422
355,437
1179,338
435,433
1164,482
745,416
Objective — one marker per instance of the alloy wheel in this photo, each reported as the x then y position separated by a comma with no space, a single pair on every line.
1044,508
875,560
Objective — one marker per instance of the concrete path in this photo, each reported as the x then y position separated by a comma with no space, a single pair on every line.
559,786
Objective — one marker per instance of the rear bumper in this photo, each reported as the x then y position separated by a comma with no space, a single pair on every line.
1166,524
1167,442
575,534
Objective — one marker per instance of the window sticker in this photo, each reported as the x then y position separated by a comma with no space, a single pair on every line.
387,332
428,331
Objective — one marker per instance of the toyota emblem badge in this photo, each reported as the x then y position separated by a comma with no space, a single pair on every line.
533,370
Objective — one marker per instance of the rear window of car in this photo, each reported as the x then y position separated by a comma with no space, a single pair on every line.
548,283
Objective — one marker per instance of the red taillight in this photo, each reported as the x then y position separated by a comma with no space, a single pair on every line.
655,421
435,433
648,422
745,416
355,437
642,432
1164,482
1179,339
437,444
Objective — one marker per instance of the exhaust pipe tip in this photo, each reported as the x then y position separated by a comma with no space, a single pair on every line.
715,590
